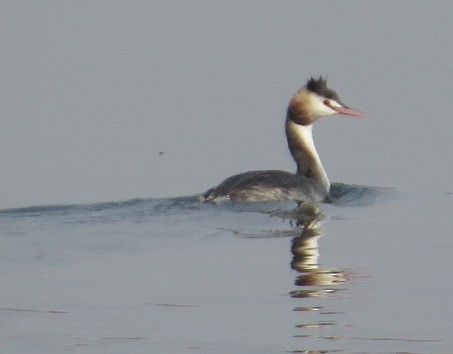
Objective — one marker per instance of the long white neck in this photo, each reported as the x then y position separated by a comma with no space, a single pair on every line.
303,150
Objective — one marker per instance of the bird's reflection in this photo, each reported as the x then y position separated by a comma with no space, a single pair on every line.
313,280
316,286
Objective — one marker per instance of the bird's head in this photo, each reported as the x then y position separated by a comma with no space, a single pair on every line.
316,100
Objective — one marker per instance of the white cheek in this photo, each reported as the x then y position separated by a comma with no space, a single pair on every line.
320,109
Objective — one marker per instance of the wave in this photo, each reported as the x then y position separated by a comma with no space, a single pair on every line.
343,195
350,195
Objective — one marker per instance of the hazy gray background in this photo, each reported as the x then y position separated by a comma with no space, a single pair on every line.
92,91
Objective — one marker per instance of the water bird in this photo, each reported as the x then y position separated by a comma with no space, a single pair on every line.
310,182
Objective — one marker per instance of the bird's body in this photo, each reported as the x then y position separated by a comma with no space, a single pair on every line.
258,186
310,182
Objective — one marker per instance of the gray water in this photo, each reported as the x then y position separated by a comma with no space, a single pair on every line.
149,103
173,275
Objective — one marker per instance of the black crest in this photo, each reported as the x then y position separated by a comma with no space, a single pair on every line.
319,86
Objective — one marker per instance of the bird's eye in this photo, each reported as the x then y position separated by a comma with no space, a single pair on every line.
326,102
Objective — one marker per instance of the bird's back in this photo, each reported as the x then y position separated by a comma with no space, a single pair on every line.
257,186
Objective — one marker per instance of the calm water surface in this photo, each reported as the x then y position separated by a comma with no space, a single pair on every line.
370,273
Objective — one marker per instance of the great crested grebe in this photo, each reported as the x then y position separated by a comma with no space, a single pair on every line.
310,183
